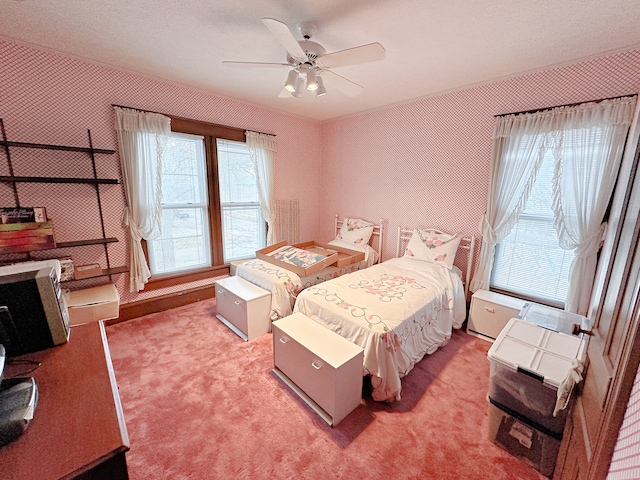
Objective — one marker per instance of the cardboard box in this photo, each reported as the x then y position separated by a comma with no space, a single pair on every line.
66,267
93,304
86,271
315,258
26,237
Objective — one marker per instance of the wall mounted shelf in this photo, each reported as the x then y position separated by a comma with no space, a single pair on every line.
95,182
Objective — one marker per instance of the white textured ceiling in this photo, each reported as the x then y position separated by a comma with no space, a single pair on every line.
432,46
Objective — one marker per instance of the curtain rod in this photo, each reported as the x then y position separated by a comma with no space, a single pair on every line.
175,116
138,109
535,110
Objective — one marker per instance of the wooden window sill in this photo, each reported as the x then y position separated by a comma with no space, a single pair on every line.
192,276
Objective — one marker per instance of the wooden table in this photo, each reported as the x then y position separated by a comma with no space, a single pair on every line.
78,430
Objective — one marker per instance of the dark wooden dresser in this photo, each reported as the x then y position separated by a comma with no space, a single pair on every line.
78,430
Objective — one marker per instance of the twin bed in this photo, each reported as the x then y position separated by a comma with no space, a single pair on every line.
285,285
398,311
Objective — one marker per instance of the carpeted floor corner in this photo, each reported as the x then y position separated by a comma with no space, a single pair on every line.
200,403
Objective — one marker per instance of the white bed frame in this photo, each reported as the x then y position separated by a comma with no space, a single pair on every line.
377,231
466,243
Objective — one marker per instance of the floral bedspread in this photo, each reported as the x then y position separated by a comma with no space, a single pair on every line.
284,284
397,311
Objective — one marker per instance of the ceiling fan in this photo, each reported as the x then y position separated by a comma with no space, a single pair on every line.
309,62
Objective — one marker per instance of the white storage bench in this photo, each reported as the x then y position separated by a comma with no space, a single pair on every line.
490,312
322,367
243,307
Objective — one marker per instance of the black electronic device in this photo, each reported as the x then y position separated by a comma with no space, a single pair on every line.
18,400
37,316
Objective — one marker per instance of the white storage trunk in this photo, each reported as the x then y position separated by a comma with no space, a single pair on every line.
490,312
243,307
528,363
322,367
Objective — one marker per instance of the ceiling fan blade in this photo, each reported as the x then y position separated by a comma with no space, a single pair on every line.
351,56
286,38
255,64
340,83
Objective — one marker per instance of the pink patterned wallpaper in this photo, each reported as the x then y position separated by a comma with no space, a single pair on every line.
424,162
47,98
625,464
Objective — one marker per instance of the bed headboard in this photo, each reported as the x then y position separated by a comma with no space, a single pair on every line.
377,232
466,243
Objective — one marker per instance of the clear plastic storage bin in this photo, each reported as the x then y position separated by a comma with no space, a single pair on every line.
523,440
528,363
553,318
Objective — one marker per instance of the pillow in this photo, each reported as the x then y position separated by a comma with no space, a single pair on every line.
354,230
437,248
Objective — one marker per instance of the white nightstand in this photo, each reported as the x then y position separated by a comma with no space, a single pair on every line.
322,367
490,312
243,307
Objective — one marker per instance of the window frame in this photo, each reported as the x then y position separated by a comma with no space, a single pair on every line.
233,204
210,132
533,298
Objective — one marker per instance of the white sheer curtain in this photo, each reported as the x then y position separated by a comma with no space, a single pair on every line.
262,148
142,137
587,153
519,145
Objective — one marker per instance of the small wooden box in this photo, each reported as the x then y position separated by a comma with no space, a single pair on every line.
330,257
334,256
345,255
26,237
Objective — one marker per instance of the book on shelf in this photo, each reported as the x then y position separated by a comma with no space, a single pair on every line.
26,237
22,215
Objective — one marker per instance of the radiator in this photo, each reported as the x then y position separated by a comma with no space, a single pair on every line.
287,221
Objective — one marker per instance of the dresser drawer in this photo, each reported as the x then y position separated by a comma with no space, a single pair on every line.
490,312
243,307
319,365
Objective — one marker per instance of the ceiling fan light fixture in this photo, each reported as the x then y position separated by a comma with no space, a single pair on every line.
290,84
320,91
299,87
312,79
307,59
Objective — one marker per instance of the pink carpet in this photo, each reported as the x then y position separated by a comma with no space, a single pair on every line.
200,403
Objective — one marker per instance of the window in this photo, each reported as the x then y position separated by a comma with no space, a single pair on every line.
243,228
211,210
184,241
529,261
579,149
